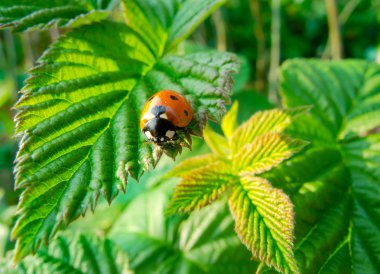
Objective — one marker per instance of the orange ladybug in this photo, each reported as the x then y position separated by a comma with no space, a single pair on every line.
163,115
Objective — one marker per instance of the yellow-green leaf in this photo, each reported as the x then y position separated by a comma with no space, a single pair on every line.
40,14
201,187
266,152
275,120
229,121
264,221
216,142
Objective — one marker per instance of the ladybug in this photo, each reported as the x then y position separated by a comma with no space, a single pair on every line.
163,115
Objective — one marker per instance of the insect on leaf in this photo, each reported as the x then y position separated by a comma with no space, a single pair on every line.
79,113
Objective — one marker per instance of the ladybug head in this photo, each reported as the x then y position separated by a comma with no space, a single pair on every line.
160,131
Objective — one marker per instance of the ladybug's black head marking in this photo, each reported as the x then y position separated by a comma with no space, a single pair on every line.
160,131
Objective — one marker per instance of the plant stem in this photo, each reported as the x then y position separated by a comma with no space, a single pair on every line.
11,58
28,51
334,30
275,51
220,28
261,59
342,19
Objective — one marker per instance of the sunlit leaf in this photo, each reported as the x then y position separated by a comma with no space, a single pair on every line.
337,206
216,142
262,122
229,121
266,152
172,21
201,187
79,115
263,214
344,95
264,222
39,14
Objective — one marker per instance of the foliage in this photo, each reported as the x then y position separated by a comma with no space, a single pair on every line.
74,254
78,114
263,215
24,15
204,242
334,185
316,212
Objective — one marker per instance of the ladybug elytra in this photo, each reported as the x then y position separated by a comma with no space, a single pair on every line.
163,115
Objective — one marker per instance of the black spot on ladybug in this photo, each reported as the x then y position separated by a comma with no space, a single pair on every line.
158,110
173,97
186,113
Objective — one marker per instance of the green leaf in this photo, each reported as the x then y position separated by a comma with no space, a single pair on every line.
252,148
204,242
172,21
95,256
38,14
77,254
262,122
319,247
201,187
79,120
364,163
264,222
337,206
229,121
344,94
188,18
266,152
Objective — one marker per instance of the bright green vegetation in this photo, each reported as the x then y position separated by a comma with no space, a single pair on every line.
338,183
79,113
289,186
263,215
